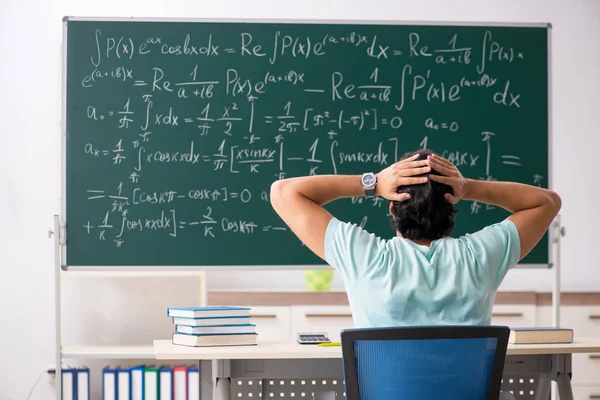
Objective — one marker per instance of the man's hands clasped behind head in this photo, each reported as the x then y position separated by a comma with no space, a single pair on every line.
406,172
401,173
450,175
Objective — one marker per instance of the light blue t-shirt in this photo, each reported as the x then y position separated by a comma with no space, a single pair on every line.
397,282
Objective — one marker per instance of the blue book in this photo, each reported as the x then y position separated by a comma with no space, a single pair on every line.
203,312
109,383
537,335
216,329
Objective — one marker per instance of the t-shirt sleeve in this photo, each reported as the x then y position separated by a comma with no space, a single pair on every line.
351,250
497,248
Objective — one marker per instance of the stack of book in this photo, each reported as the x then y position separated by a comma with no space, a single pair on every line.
212,326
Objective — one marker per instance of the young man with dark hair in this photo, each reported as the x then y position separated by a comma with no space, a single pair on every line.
422,276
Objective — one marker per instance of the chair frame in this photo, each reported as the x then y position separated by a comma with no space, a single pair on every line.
349,336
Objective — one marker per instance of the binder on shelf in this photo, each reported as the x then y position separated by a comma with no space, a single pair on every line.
193,380
68,384
151,384
109,384
166,383
123,384
83,383
137,383
180,383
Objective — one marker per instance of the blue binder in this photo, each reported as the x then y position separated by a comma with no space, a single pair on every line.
68,383
82,383
137,383
109,378
123,384
165,376
193,383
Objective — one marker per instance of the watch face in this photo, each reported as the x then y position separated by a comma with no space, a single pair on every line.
368,180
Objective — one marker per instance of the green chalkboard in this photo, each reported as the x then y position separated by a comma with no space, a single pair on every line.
175,130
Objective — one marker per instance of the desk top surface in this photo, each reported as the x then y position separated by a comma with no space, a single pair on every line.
166,350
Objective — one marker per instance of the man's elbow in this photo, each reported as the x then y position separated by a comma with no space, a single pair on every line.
277,193
554,201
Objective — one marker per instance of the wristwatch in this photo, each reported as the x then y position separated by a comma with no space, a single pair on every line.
369,181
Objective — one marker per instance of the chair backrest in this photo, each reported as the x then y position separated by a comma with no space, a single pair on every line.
428,362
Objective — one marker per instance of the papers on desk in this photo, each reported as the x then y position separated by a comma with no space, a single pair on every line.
212,326
540,335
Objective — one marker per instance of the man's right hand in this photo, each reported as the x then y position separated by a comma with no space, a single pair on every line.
401,173
450,175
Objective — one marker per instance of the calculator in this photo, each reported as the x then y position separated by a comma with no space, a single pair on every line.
312,337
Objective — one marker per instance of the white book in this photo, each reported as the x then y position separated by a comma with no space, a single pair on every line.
191,330
237,339
203,312
211,321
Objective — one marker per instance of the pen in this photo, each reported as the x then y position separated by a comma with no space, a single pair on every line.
330,344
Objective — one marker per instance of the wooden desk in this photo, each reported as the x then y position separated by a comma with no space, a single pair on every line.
533,367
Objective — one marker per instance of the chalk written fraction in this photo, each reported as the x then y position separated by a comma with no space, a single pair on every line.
212,326
172,145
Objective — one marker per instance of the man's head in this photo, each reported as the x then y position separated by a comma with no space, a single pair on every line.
427,215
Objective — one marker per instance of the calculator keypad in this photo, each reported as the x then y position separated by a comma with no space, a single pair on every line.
313,338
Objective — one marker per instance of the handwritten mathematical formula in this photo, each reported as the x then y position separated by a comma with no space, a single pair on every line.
191,126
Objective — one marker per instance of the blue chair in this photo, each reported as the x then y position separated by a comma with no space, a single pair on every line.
424,363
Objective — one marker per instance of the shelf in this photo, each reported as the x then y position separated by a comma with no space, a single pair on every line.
115,352
132,273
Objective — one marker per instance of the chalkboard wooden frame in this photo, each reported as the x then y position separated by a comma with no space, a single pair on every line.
66,19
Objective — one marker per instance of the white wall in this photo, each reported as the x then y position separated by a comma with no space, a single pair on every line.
30,36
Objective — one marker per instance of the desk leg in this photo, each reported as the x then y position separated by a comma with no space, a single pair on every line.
555,367
565,392
544,384
221,379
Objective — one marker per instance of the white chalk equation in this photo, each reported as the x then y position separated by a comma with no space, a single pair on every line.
281,46
182,134
118,228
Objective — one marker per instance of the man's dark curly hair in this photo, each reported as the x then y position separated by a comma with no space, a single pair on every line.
427,214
